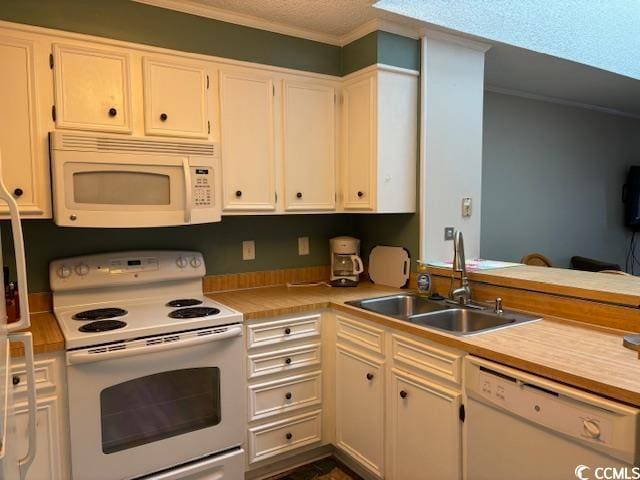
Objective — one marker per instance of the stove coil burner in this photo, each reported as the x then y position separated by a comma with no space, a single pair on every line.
102,326
194,312
100,314
184,302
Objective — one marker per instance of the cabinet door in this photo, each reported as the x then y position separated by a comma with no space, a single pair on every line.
47,463
25,165
92,89
175,99
309,146
425,437
247,141
359,120
360,408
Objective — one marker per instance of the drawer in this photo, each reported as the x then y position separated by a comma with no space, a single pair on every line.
360,334
280,331
275,438
427,358
45,374
284,360
289,394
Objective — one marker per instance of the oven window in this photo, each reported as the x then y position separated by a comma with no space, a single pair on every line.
121,188
159,406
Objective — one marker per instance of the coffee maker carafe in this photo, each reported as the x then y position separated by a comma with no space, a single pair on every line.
346,264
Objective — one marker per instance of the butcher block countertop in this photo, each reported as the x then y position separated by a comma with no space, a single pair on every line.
47,336
587,357
603,287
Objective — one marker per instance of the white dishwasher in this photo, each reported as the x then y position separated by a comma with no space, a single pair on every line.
520,426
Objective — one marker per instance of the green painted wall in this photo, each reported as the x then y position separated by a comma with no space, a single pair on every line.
275,236
140,23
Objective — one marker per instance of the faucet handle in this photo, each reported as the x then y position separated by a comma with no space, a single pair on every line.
498,306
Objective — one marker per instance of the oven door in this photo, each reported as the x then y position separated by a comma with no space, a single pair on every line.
147,405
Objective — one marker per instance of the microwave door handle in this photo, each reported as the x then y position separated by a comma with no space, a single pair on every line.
187,190
27,341
18,246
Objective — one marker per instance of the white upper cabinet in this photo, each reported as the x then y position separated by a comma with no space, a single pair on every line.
380,140
92,88
359,110
247,141
175,99
309,142
23,141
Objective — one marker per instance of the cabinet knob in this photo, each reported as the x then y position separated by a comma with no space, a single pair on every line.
15,380
299,195
163,117
360,194
287,331
113,112
18,192
287,361
288,395
369,376
289,435
238,193
403,394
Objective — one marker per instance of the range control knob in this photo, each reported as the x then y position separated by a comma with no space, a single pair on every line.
591,429
195,262
82,269
63,271
182,262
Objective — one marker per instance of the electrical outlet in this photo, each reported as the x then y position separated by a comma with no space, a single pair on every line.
448,233
466,207
248,250
303,245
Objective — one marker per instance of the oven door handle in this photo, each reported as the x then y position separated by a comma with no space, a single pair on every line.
141,347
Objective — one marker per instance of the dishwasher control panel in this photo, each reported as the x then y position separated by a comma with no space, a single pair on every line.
546,407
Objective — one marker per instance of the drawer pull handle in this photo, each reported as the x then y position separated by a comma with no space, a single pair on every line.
360,194
369,376
287,331
113,112
287,361
18,192
289,435
403,394
163,117
238,193
288,395
299,195
15,380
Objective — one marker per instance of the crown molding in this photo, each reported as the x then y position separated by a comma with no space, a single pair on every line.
195,8
455,39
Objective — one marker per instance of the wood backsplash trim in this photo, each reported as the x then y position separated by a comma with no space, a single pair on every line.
43,301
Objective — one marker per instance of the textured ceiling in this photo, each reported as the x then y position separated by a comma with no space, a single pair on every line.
334,17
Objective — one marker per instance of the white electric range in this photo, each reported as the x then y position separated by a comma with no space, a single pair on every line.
154,368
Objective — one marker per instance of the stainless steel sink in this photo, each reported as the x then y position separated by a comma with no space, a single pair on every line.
441,315
399,306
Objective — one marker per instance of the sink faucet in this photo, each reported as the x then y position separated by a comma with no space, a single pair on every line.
462,294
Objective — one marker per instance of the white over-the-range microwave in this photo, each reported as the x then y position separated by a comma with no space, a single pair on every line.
111,181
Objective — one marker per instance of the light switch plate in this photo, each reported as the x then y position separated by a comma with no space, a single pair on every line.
248,250
466,207
303,245
448,233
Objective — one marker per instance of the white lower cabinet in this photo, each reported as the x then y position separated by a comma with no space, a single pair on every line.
360,408
52,454
425,429
284,391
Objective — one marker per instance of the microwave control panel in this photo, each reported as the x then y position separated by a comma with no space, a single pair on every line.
202,187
